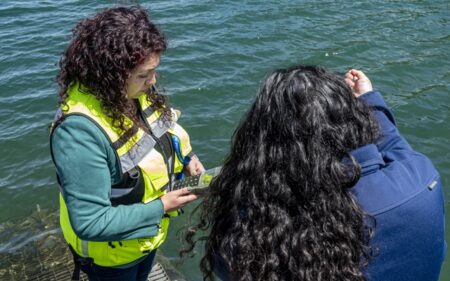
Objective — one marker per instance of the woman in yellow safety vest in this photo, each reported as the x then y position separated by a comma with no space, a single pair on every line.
117,147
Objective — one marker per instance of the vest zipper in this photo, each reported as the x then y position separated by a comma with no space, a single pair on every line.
172,154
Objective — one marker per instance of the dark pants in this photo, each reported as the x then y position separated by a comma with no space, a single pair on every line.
138,272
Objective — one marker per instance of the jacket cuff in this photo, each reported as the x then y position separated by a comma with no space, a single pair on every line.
161,206
373,98
154,211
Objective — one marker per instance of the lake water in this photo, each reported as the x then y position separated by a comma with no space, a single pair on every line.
218,53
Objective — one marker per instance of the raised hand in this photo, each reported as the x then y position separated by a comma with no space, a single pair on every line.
358,82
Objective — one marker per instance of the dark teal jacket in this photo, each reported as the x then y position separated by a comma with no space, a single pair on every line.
87,167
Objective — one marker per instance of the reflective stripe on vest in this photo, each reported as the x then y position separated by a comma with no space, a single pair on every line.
136,152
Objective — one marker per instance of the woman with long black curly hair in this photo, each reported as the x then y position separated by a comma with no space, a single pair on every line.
117,147
315,186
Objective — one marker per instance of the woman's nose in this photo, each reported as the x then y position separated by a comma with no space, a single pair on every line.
151,81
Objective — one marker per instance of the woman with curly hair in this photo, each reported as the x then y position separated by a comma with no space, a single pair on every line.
117,147
319,185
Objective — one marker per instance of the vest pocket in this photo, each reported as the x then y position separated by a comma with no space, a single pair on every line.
130,190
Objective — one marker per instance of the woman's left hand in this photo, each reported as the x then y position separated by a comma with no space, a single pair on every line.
194,167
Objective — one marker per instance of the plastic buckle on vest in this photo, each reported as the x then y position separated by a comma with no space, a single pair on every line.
146,246
85,261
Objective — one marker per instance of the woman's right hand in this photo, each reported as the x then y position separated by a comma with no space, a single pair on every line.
358,82
177,199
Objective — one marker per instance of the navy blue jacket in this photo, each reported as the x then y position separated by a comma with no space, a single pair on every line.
402,190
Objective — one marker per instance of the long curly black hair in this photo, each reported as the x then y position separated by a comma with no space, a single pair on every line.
281,208
101,55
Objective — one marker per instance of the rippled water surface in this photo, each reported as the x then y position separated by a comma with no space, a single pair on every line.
218,53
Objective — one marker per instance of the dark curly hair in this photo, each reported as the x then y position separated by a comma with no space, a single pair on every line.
103,52
281,208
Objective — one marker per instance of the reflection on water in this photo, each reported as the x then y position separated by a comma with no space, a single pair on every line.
36,250
218,52
32,246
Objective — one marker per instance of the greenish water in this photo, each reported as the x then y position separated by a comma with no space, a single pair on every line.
218,53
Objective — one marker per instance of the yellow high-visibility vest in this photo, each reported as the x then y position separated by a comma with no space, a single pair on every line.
135,153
